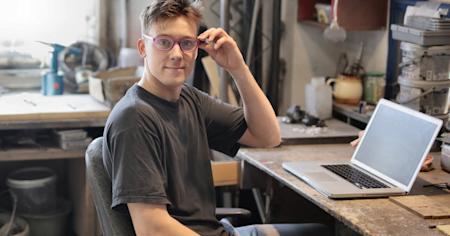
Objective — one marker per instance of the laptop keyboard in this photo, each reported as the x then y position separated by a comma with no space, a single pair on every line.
355,176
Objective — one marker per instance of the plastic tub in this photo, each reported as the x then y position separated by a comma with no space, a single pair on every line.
425,63
430,97
35,189
51,223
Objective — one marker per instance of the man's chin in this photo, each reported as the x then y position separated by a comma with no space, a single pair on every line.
176,81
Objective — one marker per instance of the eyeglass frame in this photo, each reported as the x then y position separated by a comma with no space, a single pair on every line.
198,42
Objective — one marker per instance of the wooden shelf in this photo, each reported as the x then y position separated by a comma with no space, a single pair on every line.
314,24
353,15
27,154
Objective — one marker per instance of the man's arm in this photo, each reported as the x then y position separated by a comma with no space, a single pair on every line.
153,219
263,128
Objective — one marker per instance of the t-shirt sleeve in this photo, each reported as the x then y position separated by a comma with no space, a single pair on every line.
225,124
138,173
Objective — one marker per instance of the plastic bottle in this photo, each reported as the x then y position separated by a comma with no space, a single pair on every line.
318,98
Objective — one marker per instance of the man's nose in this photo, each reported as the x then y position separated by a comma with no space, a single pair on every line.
176,52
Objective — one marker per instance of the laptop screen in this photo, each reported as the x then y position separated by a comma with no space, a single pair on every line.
396,140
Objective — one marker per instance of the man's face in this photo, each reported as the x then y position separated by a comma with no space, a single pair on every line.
170,67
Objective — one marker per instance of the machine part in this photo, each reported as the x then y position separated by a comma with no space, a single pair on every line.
295,114
52,81
91,58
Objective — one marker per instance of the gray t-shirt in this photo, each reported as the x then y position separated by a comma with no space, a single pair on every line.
158,152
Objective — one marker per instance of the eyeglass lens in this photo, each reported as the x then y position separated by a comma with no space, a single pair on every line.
166,43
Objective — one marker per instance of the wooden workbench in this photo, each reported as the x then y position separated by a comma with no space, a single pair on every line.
366,216
31,111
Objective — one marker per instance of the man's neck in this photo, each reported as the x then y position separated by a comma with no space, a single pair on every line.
155,87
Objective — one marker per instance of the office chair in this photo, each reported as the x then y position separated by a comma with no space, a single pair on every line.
113,222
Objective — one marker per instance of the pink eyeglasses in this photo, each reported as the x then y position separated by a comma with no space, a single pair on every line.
166,43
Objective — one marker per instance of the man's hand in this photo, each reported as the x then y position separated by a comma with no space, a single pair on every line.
426,165
223,49
355,142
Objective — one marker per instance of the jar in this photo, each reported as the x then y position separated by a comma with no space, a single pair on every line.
374,84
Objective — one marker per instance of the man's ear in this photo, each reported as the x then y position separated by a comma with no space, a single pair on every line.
141,47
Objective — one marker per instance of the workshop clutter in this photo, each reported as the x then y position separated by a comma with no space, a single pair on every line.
71,67
75,139
424,69
425,63
37,202
430,97
109,86
424,80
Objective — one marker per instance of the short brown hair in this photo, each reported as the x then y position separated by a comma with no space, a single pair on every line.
159,10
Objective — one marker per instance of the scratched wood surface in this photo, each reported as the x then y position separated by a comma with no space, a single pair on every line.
35,107
427,207
366,216
445,229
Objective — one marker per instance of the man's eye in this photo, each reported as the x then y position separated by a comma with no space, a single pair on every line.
188,44
165,43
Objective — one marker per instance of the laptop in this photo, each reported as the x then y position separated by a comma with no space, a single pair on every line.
386,161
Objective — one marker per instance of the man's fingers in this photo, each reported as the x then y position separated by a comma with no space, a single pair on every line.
354,143
219,43
203,36
360,134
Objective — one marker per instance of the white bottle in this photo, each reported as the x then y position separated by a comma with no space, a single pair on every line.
318,98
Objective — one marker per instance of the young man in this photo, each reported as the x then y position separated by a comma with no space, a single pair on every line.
158,137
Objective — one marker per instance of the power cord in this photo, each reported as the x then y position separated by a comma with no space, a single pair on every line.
4,230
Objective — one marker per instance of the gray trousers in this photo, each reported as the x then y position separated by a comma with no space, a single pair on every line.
304,229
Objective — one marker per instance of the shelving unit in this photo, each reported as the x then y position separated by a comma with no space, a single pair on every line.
353,15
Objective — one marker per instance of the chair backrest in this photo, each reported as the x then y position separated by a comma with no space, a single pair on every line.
111,222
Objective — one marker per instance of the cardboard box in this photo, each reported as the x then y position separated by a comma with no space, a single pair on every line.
109,86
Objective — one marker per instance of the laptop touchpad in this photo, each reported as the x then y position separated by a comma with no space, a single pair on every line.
320,176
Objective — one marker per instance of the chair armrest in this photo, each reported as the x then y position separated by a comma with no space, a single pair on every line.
222,212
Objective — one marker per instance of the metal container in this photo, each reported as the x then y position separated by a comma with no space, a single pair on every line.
429,97
445,157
